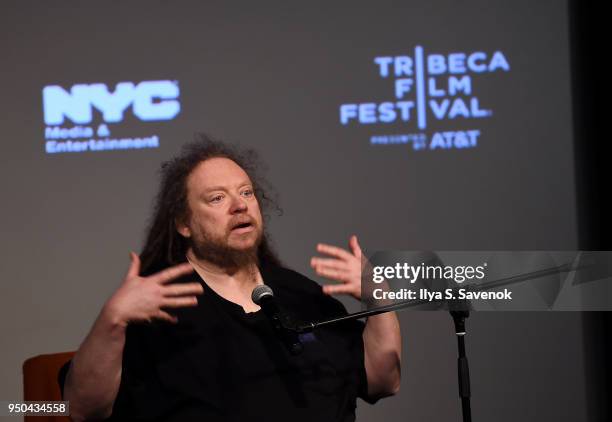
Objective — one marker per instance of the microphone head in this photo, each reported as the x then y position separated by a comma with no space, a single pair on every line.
260,292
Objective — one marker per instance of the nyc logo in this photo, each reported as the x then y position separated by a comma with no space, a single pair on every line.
150,101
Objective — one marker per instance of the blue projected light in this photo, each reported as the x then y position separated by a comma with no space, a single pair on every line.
150,101
447,80
77,105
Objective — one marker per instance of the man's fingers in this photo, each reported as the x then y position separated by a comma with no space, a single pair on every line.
334,251
165,316
183,289
134,269
171,273
338,289
331,263
354,245
332,274
179,302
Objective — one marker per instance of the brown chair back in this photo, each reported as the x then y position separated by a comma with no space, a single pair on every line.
40,382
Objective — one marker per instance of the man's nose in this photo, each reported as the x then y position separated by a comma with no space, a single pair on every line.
238,204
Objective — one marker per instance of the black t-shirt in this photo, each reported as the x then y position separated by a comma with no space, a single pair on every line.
222,364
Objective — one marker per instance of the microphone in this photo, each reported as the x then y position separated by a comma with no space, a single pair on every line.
264,297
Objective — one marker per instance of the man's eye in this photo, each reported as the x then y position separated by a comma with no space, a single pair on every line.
247,193
216,198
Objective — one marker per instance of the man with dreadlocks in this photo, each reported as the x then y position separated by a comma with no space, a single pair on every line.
181,339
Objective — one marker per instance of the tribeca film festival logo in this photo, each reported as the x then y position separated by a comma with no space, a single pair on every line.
428,88
69,114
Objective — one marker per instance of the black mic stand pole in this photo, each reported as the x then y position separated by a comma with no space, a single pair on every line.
463,370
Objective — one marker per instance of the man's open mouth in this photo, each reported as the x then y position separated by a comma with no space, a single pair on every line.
243,225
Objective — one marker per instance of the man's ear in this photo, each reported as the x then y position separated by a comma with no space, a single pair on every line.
182,228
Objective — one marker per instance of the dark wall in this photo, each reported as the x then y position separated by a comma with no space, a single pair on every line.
587,27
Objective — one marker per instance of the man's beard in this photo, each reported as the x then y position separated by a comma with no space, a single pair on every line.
219,253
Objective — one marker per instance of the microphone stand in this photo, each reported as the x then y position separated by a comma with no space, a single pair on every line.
459,310
463,370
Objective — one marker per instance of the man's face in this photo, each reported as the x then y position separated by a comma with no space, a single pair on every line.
225,224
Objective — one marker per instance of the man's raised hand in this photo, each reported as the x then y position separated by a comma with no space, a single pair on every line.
342,265
142,299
